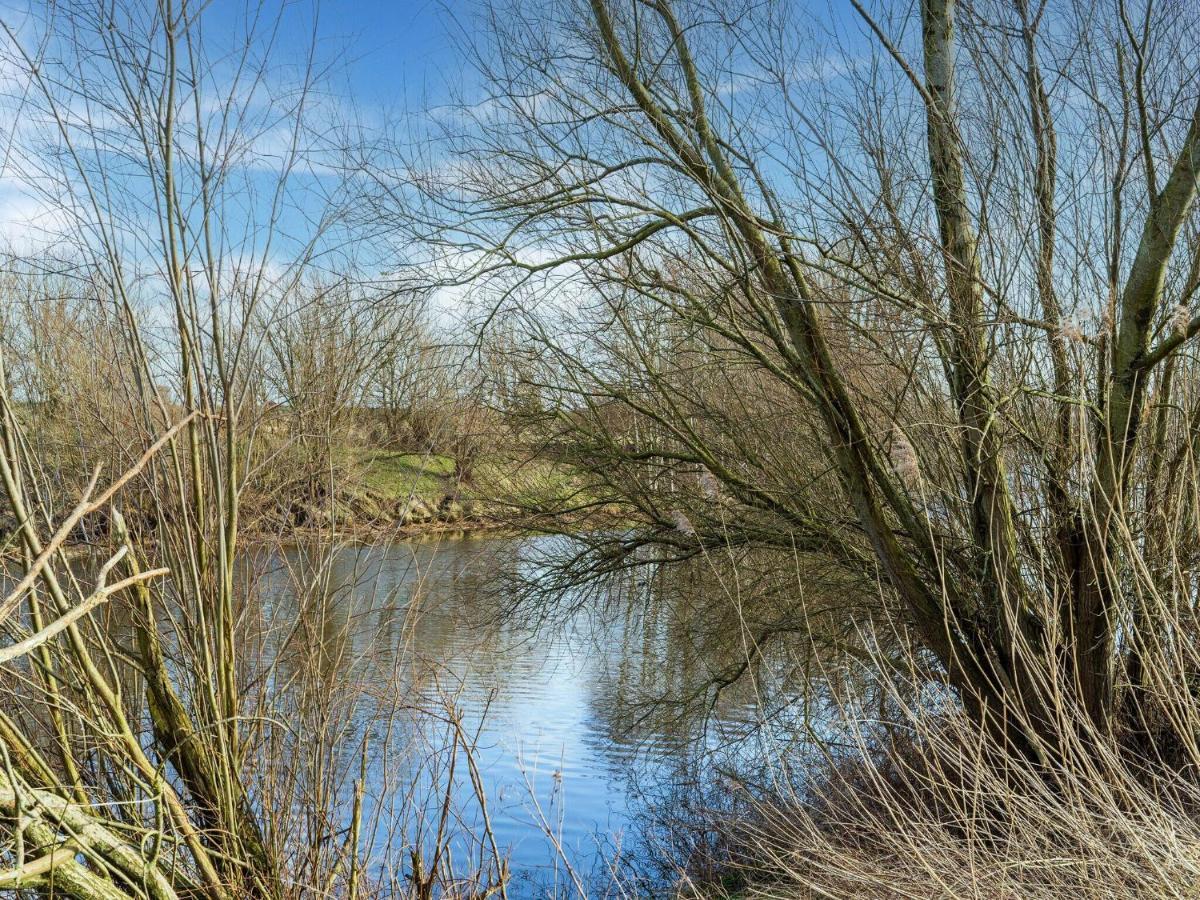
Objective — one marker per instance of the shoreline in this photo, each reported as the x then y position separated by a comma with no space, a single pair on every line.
380,532
374,533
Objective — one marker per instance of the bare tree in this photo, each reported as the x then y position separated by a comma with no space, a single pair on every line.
960,258
328,344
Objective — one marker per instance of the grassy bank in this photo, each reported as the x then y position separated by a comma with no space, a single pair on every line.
372,489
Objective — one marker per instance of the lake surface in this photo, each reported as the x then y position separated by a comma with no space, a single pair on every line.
570,759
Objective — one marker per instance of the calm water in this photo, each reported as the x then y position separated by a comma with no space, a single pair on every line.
554,705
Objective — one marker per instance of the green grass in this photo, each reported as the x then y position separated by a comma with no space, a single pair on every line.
394,475
385,477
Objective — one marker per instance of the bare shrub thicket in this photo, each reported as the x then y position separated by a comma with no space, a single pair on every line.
69,368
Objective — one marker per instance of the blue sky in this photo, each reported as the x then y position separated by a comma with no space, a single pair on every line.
386,65
390,55
382,62
404,45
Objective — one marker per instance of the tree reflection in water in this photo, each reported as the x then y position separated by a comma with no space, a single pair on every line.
591,707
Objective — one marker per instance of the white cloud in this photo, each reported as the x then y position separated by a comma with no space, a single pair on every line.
27,223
